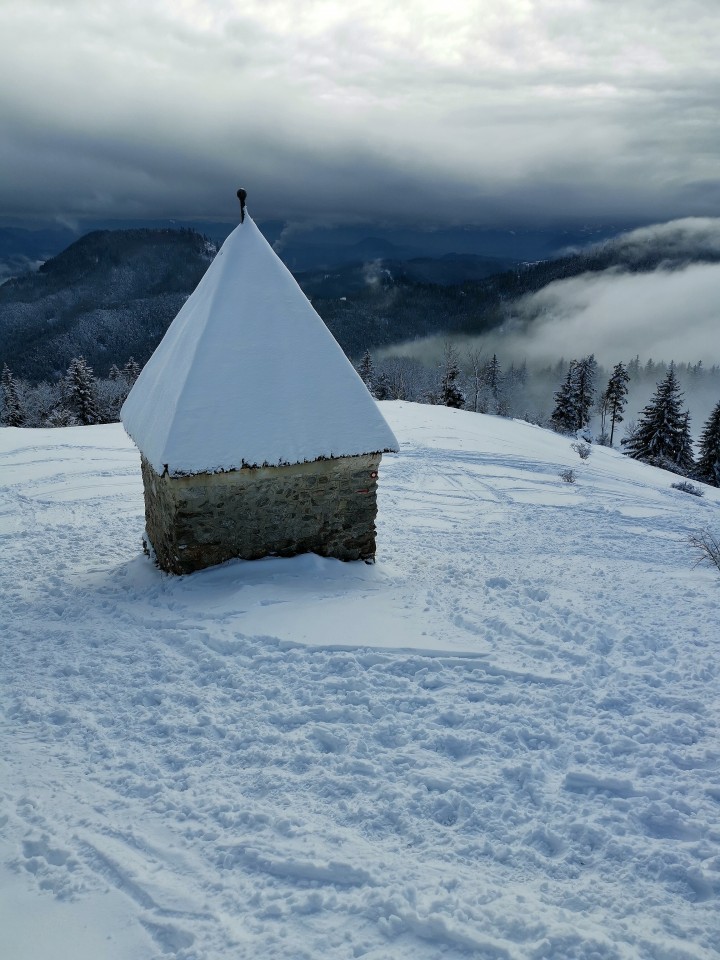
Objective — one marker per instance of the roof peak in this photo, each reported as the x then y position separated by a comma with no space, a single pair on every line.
249,375
242,197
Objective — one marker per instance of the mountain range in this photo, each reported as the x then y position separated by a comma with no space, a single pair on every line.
315,247
113,293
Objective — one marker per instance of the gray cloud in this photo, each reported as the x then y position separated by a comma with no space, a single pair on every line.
671,313
666,314
484,112
692,238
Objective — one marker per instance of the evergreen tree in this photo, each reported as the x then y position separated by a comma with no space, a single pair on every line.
614,399
686,457
450,393
367,371
518,374
494,377
81,391
662,435
131,370
13,414
564,416
382,389
115,373
584,390
707,467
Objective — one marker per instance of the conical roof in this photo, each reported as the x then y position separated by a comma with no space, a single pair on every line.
249,375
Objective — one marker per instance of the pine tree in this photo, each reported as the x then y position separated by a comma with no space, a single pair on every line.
115,373
494,377
367,371
131,370
584,384
696,370
81,392
564,416
707,467
686,458
13,415
662,435
450,393
614,399
382,389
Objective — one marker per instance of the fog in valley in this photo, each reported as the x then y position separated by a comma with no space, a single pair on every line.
670,313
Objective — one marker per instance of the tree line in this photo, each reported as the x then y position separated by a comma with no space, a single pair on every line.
78,398
661,435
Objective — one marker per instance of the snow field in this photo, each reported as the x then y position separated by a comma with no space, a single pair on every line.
501,741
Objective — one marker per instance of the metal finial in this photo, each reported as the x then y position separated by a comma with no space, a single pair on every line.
242,197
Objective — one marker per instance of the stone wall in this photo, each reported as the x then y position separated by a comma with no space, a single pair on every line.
326,507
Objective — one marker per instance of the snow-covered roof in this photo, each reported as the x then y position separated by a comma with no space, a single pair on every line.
249,375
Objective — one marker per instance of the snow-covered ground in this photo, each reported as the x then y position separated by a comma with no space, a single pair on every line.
501,741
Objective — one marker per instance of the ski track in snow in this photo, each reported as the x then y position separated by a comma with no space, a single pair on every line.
502,741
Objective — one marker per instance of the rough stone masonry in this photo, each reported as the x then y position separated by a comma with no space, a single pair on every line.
326,507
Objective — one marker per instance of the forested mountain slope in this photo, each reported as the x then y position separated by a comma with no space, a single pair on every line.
112,294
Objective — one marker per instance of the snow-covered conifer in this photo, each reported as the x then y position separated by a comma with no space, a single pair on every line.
450,393
494,377
584,390
633,367
707,467
81,391
13,413
366,370
110,395
686,457
564,416
662,434
131,370
614,399
382,389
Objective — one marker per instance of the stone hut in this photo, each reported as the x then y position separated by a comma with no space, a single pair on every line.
256,434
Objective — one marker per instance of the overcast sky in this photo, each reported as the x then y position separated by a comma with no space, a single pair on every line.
491,112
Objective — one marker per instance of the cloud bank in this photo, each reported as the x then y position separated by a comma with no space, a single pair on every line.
666,314
669,313
673,243
487,112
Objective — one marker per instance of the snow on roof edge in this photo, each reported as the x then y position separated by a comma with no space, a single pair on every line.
192,412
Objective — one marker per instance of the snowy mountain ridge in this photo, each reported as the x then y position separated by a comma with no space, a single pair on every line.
502,740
